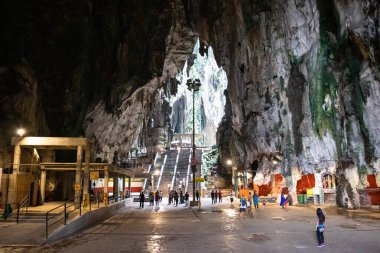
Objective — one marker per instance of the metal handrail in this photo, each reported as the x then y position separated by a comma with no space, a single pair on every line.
65,213
24,203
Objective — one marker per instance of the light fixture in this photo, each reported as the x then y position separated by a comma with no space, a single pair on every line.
20,132
156,172
274,162
229,162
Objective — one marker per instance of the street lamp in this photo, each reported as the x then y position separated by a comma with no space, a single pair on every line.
193,85
20,132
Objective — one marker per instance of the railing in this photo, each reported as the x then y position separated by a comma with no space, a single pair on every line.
77,204
20,206
23,205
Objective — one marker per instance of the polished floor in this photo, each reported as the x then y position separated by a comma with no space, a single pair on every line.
217,228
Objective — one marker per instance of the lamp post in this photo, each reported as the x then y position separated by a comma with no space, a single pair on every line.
193,85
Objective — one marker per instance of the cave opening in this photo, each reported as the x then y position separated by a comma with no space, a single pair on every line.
209,101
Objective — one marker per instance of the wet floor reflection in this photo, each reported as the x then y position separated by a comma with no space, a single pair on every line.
154,244
231,213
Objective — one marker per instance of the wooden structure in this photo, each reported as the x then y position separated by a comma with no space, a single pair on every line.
19,181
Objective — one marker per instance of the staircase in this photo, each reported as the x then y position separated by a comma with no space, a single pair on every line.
182,167
167,174
156,166
26,217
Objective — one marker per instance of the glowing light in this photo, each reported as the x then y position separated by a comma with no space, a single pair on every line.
156,172
21,131
274,162
229,162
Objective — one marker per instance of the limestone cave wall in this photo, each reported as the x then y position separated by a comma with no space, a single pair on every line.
303,78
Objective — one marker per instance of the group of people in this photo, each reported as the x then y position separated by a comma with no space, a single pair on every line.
154,197
174,197
246,204
215,196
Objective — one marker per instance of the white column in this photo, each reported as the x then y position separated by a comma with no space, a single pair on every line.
43,184
17,159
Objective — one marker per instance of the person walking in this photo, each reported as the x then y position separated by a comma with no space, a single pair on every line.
176,198
243,206
181,197
282,201
250,198
186,199
157,198
255,200
151,199
197,195
212,197
142,199
170,197
220,196
320,227
249,208
231,197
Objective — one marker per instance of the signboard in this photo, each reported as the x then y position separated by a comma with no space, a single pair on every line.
77,187
94,175
199,179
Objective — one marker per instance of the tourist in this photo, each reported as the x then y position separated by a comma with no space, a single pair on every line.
249,208
142,199
151,199
186,199
181,197
170,197
256,200
320,227
250,197
157,197
212,197
282,201
197,195
220,196
243,206
176,198
231,197
160,195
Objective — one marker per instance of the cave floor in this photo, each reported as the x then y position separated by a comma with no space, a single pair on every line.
216,228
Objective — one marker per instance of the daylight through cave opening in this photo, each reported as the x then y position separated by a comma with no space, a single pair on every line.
209,101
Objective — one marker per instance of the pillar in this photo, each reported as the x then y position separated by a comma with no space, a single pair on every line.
235,175
77,186
123,186
105,185
129,186
43,184
17,159
245,179
12,178
86,175
116,187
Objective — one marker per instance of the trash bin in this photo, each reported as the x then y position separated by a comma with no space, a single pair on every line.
300,199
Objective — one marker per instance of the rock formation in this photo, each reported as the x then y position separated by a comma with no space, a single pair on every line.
303,79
